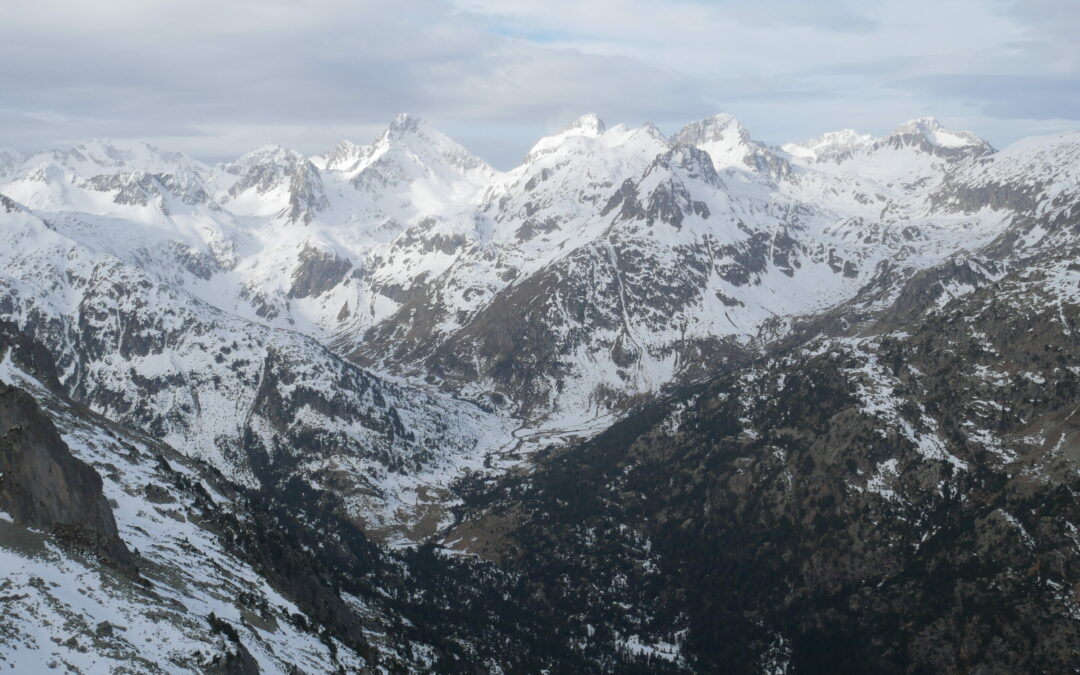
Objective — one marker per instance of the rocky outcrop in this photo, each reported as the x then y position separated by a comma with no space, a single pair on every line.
43,485
318,272
273,169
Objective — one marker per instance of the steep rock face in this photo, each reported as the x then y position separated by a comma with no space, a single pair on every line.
729,145
1031,176
318,272
285,179
928,135
42,485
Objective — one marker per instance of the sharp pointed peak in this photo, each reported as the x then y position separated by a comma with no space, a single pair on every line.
408,129
404,125
650,129
405,120
589,123
344,155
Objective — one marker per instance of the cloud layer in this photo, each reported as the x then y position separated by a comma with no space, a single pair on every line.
215,78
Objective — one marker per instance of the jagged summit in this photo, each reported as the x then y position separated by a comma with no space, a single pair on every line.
343,157
831,144
410,139
97,156
406,128
716,128
589,124
292,182
928,135
729,144
585,127
268,152
404,123
932,130
925,136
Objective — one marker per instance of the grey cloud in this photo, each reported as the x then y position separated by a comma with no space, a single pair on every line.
1007,96
211,78
209,70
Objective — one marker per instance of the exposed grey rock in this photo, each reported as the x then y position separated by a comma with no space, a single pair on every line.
272,167
43,485
318,272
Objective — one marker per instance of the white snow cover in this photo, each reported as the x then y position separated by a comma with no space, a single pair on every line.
425,236
160,627
829,144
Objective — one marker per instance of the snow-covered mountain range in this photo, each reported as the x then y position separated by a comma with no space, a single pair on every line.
631,254
379,322
186,299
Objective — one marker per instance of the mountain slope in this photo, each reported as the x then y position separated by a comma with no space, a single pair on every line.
899,501
261,405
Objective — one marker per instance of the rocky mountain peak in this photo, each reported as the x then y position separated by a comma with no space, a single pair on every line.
830,145
404,123
729,145
724,138
272,168
99,156
717,128
585,127
687,160
589,124
270,153
928,134
650,131
412,140
343,157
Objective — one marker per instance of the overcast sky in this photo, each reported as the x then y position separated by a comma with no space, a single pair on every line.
214,78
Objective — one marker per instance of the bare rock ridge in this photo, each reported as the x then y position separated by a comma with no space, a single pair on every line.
43,485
